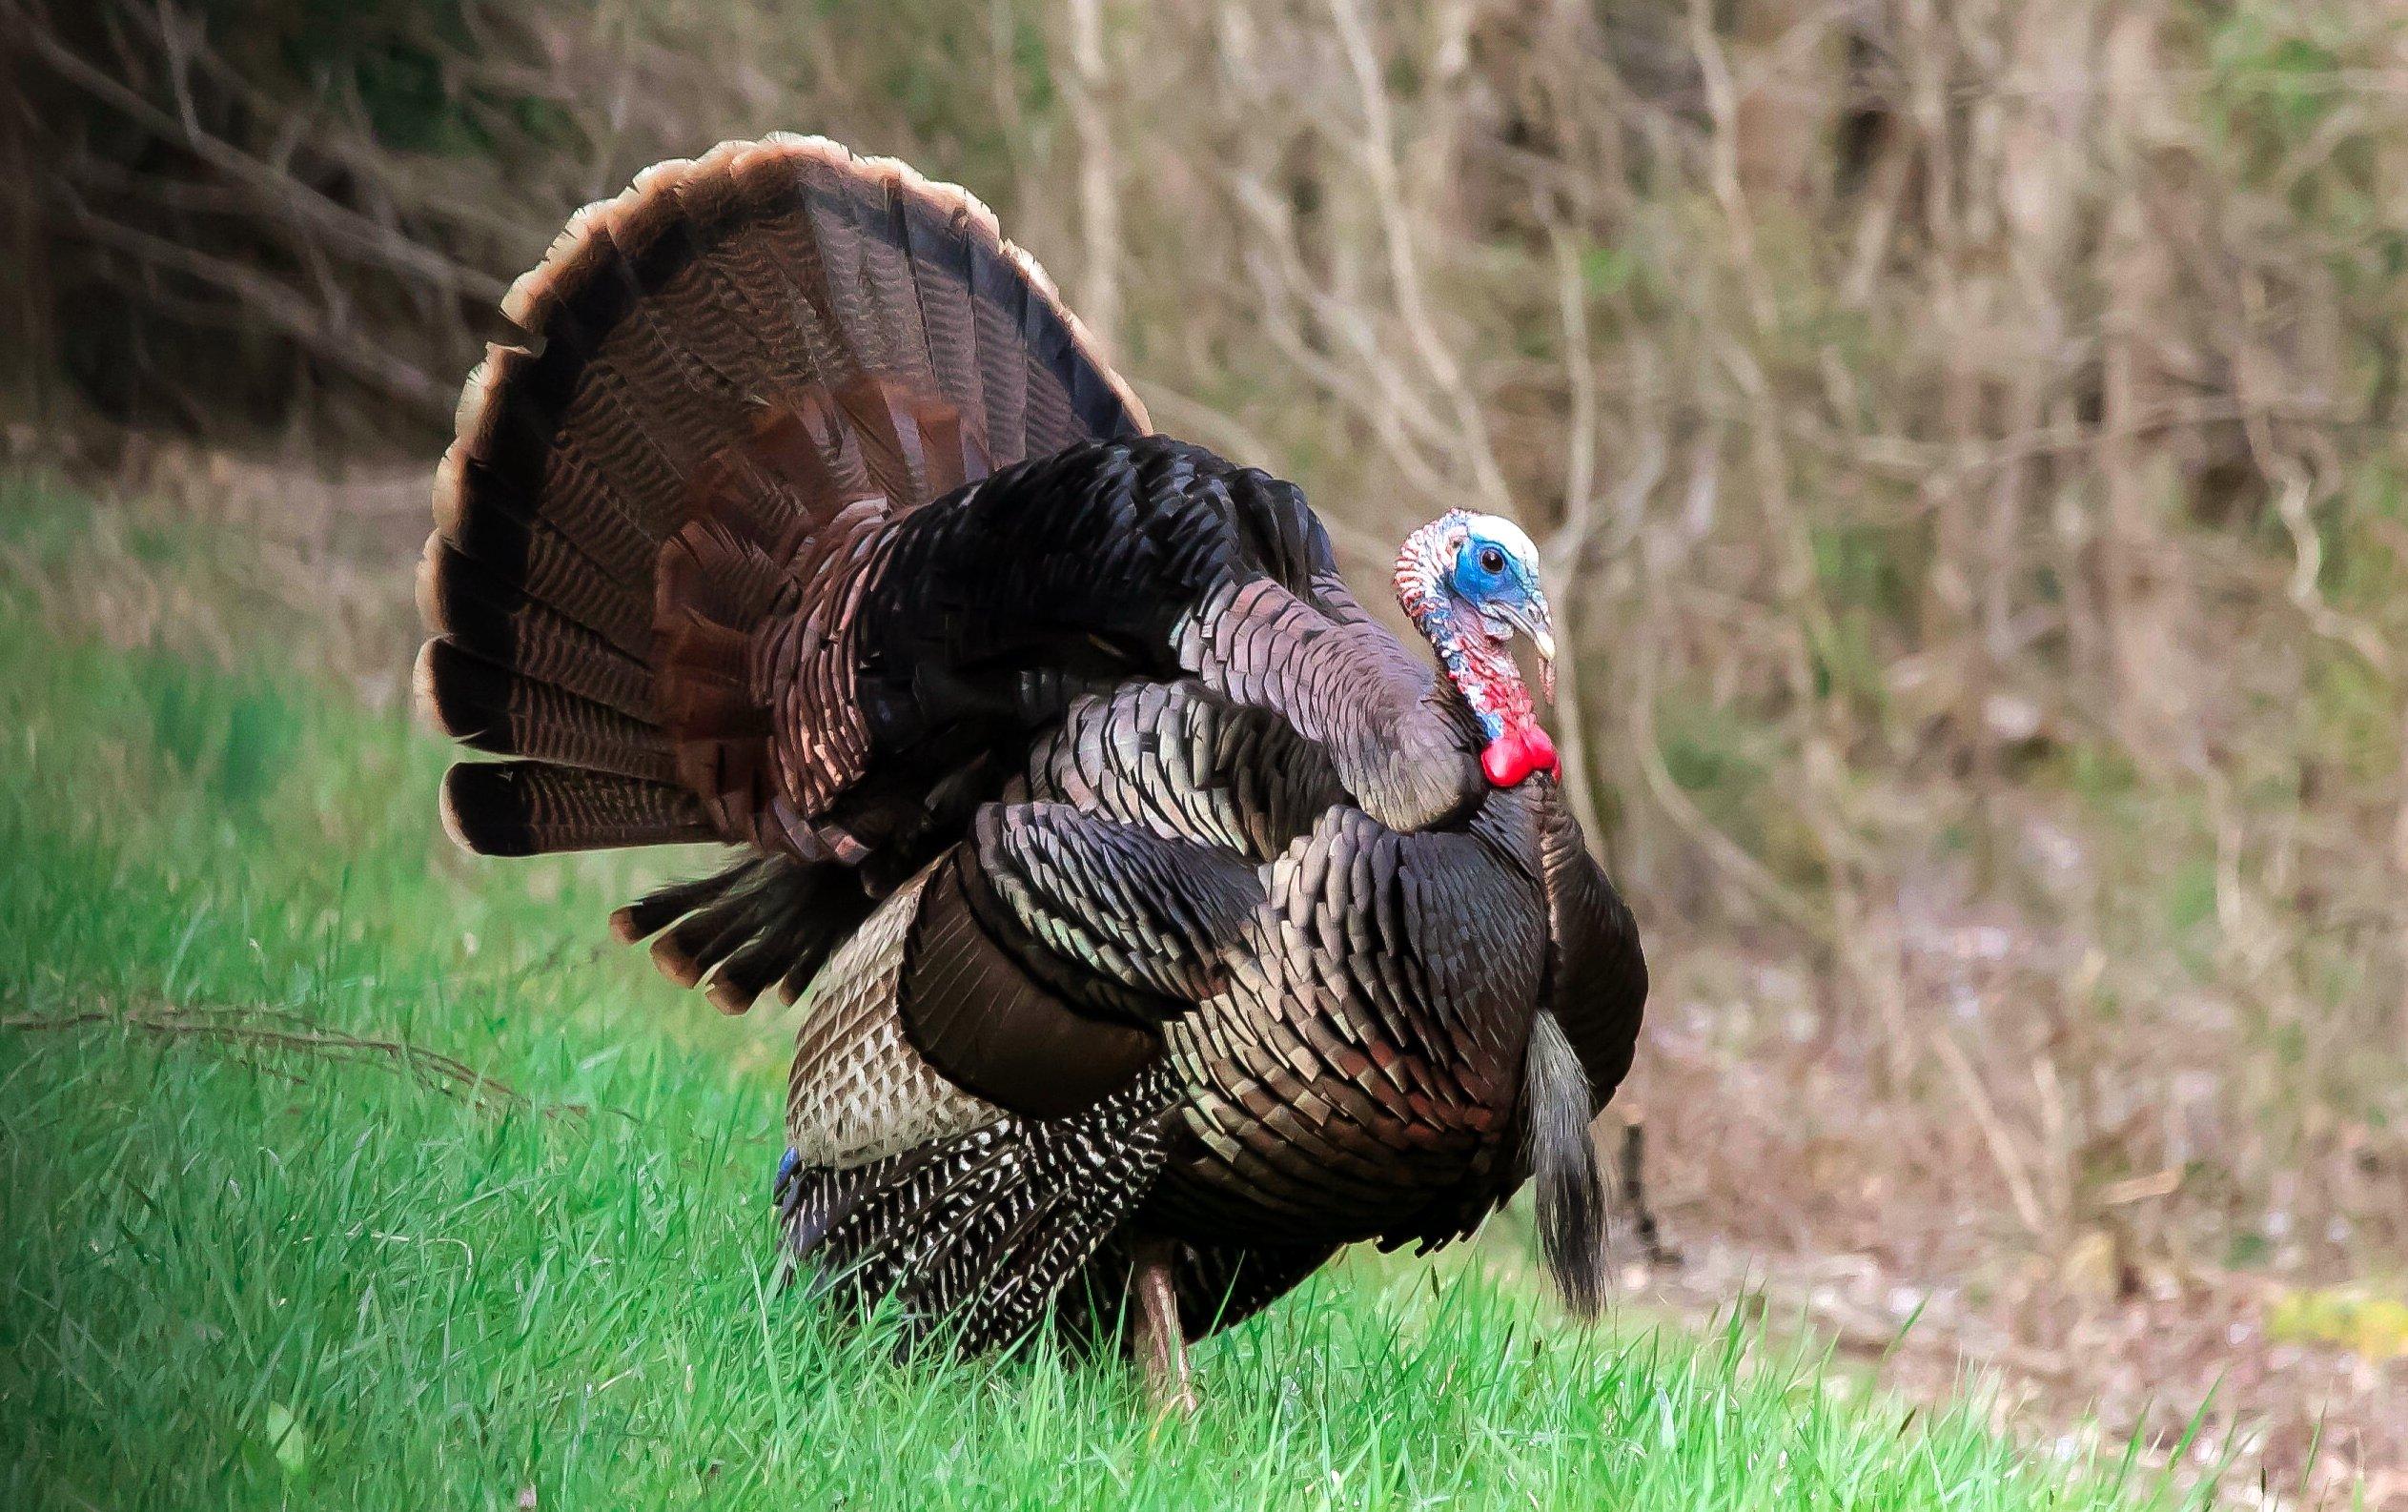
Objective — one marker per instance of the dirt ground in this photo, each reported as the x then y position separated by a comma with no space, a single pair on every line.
2254,1377
2279,1423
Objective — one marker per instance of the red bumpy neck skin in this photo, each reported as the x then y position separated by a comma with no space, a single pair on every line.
1474,662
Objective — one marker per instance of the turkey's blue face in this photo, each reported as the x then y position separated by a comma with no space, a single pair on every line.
1496,575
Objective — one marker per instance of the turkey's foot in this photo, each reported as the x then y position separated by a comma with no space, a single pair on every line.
1161,1342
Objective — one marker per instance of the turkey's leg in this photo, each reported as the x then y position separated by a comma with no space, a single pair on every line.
1161,1342
1653,1247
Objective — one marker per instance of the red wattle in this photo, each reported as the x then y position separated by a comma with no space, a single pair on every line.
1518,753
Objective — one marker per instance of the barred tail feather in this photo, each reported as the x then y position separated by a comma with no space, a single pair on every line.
526,809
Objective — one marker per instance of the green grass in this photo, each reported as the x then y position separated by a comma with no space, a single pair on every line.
259,1250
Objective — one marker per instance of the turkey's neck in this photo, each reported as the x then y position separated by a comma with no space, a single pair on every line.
1513,745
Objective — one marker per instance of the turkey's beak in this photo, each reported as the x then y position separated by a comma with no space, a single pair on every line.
1531,619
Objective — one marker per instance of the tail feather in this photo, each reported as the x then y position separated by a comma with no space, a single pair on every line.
661,906
490,708
949,321
866,278
787,954
517,473
525,809
690,950
538,644
767,921
1571,1193
484,599
999,308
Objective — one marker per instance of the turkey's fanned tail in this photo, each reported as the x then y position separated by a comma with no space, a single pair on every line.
731,371
720,361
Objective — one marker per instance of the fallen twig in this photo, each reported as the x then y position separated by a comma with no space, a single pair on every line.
272,1029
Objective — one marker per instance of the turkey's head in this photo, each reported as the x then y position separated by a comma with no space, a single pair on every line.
1469,582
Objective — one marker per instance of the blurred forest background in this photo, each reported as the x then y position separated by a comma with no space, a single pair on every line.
1964,436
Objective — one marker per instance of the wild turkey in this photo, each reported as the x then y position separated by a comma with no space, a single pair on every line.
1165,922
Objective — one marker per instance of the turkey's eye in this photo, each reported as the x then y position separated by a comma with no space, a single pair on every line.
1491,559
